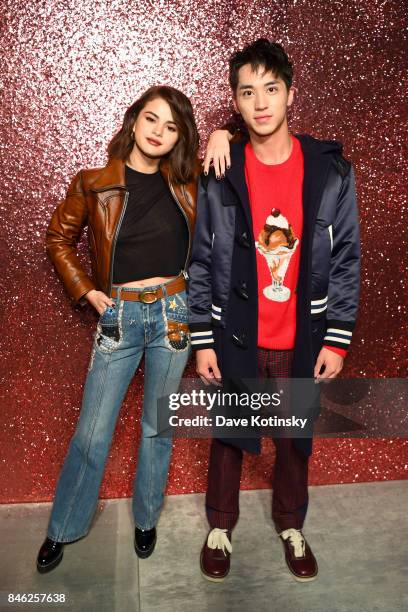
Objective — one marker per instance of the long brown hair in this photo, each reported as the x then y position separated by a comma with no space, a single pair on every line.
183,156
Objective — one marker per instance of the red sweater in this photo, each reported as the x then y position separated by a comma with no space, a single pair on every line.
275,195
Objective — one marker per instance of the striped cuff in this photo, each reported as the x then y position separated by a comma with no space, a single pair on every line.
338,334
318,305
201,336
216,312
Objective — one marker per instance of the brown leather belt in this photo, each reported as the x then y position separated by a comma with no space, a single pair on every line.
151,296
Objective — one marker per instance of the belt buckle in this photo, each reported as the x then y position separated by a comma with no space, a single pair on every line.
144,293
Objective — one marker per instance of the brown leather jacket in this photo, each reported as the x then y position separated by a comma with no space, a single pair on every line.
97,198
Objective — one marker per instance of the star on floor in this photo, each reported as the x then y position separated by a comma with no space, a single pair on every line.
173,305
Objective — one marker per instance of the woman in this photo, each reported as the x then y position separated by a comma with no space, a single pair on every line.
140,211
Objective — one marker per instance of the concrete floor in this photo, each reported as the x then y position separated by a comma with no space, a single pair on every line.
358,533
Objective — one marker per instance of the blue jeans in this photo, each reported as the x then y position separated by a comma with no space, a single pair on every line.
123,334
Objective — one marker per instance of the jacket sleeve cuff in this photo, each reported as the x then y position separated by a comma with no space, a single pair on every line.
338,334
201,336
334,349
80,289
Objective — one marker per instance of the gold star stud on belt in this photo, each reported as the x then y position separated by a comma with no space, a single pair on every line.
173,305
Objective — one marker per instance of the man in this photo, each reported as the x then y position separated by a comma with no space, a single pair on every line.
273,290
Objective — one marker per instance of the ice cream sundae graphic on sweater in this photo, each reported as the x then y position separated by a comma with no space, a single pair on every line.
277,243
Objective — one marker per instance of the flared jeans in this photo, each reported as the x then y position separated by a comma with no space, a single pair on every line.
124,333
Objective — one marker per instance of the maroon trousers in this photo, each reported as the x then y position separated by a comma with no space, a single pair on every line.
290,494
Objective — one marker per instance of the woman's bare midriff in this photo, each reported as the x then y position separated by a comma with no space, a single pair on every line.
148,282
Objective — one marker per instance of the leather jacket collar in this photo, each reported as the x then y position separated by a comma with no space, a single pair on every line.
112,176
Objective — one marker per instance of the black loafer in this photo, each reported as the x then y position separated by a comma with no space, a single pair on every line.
145,541
49,556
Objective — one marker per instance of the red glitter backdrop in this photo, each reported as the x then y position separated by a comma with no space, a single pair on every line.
69,69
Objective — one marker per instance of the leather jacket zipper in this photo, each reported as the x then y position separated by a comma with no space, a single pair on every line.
115,239
173,193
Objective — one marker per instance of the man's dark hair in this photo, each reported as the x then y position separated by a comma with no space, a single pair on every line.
261,53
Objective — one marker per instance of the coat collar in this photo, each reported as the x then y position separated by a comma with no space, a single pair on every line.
236,177
316,166
112,176
236,173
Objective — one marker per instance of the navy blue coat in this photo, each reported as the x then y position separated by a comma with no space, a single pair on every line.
222,288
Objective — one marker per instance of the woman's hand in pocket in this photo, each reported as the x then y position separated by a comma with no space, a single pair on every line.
99,300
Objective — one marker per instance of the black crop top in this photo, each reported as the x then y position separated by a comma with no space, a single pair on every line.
153,237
